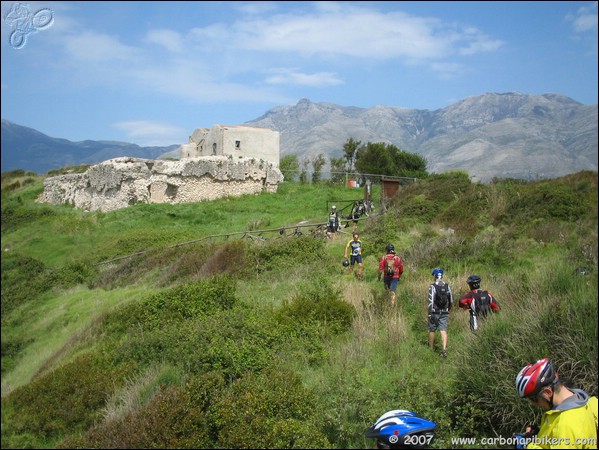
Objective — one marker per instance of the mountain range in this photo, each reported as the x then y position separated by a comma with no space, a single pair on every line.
30,150
508,135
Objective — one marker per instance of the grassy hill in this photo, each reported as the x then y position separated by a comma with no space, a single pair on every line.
203,326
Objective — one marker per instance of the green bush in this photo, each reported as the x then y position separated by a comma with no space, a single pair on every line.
231,342
15,215
284,254
197,299
321,304
23,279
550,201
73,274
273,409
65,401
175,417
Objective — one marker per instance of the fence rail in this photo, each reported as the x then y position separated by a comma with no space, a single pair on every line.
318,230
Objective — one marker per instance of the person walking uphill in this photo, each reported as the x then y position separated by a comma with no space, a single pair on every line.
391,266
333,222
570,415
440,302
479,302
355,246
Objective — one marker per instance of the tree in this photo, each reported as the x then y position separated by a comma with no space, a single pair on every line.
317,164
303,176
387,159
289,166
337,169
349,150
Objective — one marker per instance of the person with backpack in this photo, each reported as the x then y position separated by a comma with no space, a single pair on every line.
479,302
391,267
440,302
333,222
358,210
355,246
570,414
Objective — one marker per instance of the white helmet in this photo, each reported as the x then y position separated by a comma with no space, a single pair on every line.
333,207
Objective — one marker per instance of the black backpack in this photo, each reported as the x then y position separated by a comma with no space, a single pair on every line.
482,303
441,301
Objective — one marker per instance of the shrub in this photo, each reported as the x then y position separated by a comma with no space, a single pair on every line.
23,279
175,417
549,201
65,401
284,254
188,301
231,342
72,274
273,409
322,304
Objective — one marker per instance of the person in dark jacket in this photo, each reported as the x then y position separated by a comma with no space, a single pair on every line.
479,302
438,309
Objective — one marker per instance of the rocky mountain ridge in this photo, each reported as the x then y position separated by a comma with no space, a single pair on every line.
492,135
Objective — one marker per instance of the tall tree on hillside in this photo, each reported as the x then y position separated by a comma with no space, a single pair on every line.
303,176
387,159
337,169
349,150
317,164
289,166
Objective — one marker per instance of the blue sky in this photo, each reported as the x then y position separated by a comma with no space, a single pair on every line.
151,72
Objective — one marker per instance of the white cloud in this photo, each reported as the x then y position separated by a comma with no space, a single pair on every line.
148,132
294,77
447,71
585,18
170,40
91,47
354,32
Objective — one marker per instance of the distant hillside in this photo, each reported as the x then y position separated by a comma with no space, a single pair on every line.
507,135
503,135
28,149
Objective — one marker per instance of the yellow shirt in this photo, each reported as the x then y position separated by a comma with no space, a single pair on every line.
574,427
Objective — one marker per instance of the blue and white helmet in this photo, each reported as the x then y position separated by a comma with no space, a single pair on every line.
437,272
401,428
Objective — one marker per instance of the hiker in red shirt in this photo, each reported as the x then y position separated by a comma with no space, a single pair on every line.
391,266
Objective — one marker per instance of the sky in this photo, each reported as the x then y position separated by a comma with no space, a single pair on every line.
150,73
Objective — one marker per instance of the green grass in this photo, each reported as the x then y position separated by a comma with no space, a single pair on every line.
54,325
157,349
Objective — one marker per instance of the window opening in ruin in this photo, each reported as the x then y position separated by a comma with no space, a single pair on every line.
237,145
214,148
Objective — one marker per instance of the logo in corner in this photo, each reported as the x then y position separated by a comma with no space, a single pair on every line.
25,23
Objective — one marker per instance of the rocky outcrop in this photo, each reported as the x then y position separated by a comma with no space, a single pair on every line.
121,182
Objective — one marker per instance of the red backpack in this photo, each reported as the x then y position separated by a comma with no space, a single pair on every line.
390,266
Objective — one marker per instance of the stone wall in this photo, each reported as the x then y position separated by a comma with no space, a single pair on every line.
121,182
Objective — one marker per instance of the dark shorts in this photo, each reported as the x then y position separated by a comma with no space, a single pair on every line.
356,259
438,322
391,283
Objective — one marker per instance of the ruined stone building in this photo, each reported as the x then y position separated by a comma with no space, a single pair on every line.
218,162
237,141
